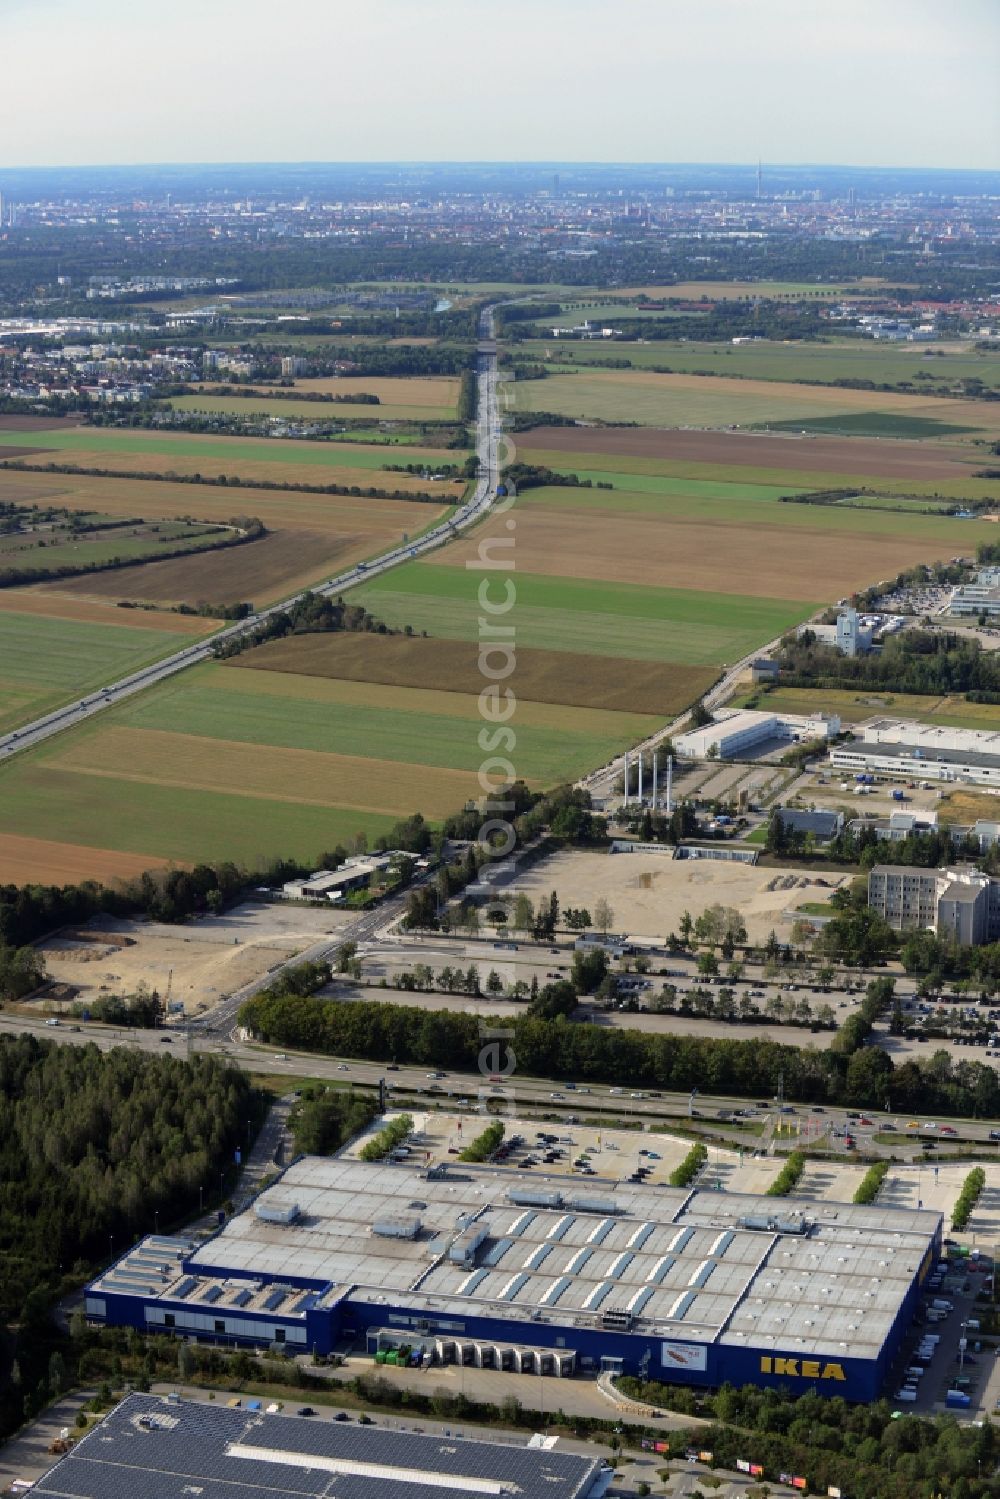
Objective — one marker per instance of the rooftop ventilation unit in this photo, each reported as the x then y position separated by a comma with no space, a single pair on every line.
401,1226
276,1212
592,1204
523,1197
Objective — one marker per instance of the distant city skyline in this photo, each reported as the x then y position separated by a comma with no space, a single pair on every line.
896,83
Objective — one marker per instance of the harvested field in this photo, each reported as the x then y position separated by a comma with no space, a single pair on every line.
27,861
308,411
591,447
38,599
305,777
10,451
256,572
766,556
715,401
541,676
439,391
279,510
123,466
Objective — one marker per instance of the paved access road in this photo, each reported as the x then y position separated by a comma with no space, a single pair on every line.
484,495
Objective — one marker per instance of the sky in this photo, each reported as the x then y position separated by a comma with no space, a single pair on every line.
861,82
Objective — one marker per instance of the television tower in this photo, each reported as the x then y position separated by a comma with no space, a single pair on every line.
759,182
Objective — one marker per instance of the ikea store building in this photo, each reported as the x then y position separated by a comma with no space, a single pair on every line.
470,1264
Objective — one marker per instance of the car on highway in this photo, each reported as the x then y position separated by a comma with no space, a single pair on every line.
948,1129
930,1125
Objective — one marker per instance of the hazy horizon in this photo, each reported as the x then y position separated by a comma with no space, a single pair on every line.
865,84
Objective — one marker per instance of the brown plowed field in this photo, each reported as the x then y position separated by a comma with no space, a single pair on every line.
39,600
17,423
256,572
773,561
571,680
29,861
881,457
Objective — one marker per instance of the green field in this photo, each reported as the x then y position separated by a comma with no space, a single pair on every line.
820,362
134,779
45,662
641,623
873,424
249,449
97,549
759,505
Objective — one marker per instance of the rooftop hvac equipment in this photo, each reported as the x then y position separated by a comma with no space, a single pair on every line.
525,1198
593,1204
401,1226
464,1246
616,1321
276,1212
763,1223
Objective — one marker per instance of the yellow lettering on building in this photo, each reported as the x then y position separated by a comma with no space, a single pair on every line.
810,1368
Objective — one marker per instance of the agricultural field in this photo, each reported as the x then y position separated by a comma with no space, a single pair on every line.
795,462
758,548
46,660
127,450
438,665
815,363
714,401
246,764
301,410
428,392
55,545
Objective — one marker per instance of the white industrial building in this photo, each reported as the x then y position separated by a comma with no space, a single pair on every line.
915,751
961,903
735,734
981,597
855,634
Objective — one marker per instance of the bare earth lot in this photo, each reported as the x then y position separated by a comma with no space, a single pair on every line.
649,893
201,963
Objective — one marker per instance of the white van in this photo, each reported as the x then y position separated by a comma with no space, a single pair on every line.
907,1393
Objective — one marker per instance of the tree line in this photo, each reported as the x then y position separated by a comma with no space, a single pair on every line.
864,1076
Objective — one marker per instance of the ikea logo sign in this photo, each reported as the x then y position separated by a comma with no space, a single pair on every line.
802,1368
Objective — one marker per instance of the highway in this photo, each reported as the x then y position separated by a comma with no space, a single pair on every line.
484,495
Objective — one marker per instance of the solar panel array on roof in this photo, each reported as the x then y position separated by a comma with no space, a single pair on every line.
159,1451
273,1299
185,1288
212,1294
241,1298
307,1302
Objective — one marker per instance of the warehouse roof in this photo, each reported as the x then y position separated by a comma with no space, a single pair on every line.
481,1242
159,1450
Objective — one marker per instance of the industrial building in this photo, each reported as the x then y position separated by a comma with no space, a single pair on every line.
981,597
961,903
354,874
735,734
475,1265
822,825
163,1447
917,751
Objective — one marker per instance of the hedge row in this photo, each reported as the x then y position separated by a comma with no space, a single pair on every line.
871,1181
788,1176
391,1135
688,1169
968,1197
